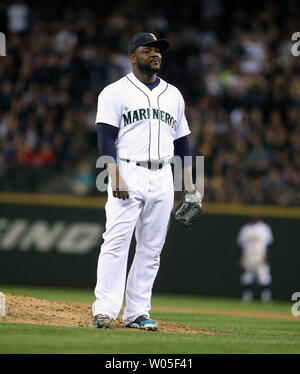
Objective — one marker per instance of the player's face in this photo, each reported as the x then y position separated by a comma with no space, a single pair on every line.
148,59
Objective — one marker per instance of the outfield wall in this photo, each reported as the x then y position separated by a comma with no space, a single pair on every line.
55,240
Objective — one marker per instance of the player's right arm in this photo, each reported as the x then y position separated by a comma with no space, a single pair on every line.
119,186
240,245
108,120
106,137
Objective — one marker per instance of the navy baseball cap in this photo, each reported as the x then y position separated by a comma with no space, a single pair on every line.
145,38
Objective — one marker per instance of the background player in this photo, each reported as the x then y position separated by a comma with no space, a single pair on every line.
254,239
141,124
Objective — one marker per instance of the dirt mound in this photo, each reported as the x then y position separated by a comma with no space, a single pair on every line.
29,310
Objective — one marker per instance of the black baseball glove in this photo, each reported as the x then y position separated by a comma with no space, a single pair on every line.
189,208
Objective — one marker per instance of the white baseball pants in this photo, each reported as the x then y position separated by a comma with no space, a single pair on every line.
260,273
151,199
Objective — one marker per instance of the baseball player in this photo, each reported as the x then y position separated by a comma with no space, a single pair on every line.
141,124
254,239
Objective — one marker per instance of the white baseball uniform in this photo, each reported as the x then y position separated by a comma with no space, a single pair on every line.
254,239
148,121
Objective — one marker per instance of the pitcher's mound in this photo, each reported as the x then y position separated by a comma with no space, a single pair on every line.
30,310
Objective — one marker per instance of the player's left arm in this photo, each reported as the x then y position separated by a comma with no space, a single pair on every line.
182,149
190,206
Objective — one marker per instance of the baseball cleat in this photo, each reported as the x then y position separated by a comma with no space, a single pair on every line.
145,323
102,321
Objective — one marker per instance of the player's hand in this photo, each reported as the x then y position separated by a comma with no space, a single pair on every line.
118,184
120,188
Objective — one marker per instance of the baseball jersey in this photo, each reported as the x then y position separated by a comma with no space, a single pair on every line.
254,239
148,120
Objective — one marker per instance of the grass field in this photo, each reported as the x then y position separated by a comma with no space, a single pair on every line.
247,328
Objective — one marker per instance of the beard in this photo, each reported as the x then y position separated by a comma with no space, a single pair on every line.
147,68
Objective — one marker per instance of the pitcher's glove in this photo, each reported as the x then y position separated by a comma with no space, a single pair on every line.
189,208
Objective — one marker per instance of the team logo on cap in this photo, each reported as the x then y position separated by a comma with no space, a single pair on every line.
153,36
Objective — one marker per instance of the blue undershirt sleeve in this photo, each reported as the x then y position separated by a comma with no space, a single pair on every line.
106,138
182,148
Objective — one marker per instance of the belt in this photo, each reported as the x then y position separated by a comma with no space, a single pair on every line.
148,164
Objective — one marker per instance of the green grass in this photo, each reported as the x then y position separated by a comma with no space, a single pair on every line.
245,334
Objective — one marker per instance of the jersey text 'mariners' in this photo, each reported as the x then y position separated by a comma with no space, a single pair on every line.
143,114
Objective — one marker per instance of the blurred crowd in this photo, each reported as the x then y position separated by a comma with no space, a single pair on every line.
231,60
